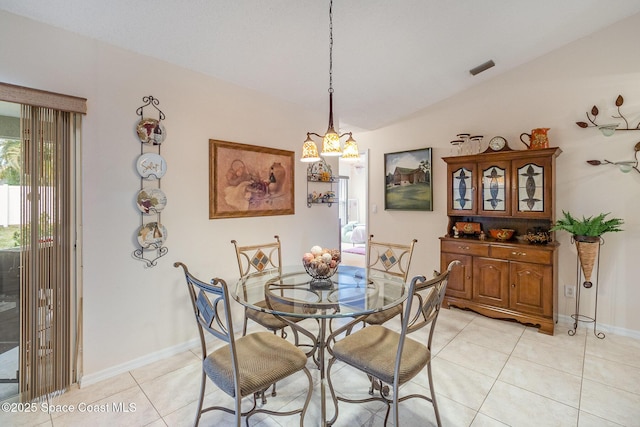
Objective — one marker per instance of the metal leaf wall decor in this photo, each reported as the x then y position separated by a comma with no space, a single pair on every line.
594,114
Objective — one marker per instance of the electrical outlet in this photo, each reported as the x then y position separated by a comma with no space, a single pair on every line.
569,291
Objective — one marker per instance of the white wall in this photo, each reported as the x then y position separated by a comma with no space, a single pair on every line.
553,91
133,314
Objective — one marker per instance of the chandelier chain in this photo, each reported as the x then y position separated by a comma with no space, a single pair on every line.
331,46
331,138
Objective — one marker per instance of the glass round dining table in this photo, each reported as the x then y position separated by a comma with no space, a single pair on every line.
348,293
351,292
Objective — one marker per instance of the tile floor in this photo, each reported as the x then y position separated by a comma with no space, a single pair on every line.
487,373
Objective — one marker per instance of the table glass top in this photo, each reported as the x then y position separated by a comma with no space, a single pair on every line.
294,293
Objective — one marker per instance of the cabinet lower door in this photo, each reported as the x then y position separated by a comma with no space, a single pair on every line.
531,288
460,278
491,281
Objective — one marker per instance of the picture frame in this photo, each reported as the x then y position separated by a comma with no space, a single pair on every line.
249,180
408,180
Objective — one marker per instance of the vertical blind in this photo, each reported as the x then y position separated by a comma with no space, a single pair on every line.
47,286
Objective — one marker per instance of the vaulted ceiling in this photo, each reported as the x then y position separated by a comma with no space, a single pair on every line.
391,58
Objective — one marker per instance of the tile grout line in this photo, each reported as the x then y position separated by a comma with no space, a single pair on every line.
497,377
148,398
584,361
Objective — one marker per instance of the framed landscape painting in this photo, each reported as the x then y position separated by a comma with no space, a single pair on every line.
407,180
249,180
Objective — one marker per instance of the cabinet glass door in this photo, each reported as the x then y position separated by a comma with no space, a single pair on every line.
493,194
495,188
462,189
530,188
533,181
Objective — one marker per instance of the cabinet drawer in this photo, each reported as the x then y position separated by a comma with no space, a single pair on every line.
466,248
526,254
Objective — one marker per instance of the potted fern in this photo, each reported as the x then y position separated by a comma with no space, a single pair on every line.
586,234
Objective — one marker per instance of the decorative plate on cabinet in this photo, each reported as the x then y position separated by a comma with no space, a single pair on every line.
152,234
151,200
151,131
151,166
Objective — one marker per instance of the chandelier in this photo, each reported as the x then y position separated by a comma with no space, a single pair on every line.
331,138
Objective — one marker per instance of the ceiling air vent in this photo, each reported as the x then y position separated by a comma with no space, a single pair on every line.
482,67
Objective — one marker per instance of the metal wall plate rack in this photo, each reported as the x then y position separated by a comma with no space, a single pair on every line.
150,199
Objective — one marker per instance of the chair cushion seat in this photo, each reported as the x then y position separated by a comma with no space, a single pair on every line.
382,316
268,320
373,350
263,359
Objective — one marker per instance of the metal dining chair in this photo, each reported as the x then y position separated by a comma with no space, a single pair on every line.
397,357
244,367
257,258
393,259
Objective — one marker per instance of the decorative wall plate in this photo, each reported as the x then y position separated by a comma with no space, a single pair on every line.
151,131
151,166
152,234
151,200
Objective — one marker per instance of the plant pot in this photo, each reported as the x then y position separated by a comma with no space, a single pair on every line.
588,248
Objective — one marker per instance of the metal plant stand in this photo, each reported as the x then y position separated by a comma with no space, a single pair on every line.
577,317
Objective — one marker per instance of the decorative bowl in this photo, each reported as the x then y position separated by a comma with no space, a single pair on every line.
501,233
320,270
538,238
321,263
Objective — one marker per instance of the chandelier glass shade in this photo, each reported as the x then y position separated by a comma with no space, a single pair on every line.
350,151
331,139
331,143
309,150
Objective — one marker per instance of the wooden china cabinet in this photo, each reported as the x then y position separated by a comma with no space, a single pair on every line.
505,279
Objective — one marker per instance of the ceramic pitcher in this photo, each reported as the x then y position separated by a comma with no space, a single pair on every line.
537,139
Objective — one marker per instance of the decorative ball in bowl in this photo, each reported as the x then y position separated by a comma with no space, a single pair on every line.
501,233
321,263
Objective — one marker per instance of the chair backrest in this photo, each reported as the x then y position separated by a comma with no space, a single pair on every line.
423,305
390,258
211,308
258,257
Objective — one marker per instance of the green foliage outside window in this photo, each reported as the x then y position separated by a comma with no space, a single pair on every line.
10,161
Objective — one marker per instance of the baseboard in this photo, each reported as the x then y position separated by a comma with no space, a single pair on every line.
96,377
565,319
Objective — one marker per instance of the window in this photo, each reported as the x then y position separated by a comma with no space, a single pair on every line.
47,239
